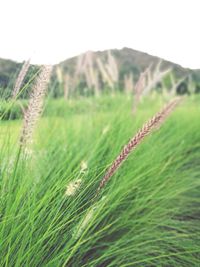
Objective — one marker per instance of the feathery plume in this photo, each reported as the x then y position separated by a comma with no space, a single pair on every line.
154,77
73,187
109,70
175,84
112,67
85,66
20,78
66,86
84,167
79,65
139,87
147,128
128,83
35,104
105,76
59,74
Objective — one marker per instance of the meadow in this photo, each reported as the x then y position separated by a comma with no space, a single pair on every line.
146,215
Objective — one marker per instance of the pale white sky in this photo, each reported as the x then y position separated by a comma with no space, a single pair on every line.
50,31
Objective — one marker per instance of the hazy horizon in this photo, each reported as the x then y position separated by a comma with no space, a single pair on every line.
20,61
49,32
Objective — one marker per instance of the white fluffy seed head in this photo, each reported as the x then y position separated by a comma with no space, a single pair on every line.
73,187
84,167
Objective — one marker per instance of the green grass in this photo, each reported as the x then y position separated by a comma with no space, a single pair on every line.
147,215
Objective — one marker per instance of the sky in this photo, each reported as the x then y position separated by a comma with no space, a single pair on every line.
50,31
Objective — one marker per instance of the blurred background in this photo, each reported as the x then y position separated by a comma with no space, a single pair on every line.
101,46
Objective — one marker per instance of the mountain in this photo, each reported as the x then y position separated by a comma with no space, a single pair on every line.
129,60
118,68
99,70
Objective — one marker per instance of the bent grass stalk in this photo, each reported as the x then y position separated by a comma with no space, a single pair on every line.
20,78
153,123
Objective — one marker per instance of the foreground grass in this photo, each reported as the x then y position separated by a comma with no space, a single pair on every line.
147,215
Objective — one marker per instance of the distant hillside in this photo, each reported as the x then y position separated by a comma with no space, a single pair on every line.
128,60
114,68
97,71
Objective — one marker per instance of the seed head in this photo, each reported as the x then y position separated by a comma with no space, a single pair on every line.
148,127
72,187
35,105
20,78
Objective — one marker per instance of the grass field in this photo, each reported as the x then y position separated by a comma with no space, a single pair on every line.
148,214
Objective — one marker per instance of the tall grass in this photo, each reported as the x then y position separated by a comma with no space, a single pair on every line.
148,214
147,128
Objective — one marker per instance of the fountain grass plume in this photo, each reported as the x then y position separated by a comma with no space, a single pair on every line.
20,78
154,123
139,87
35,104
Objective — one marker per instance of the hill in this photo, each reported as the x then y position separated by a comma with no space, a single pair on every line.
98,70
128,60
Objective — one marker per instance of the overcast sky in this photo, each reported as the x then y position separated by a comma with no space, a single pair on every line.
50,31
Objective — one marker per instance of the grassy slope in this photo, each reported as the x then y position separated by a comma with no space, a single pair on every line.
148,213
